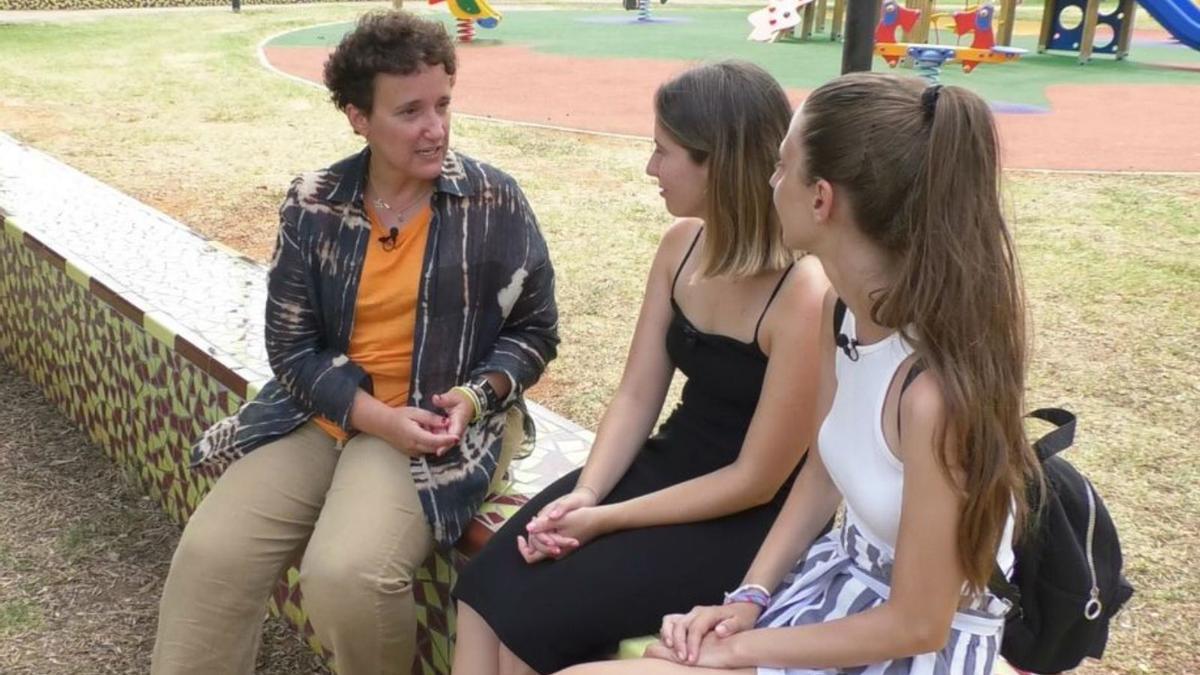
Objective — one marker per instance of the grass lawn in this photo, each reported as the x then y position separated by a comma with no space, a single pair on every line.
175,110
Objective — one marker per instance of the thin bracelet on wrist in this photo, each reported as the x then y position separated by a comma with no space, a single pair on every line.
595,495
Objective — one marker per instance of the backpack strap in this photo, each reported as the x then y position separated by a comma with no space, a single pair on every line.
917,368
914,371
1060,438
1002,588
839,316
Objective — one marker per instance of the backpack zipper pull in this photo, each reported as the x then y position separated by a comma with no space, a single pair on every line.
1093,608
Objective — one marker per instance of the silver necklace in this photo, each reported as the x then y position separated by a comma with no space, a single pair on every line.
401,215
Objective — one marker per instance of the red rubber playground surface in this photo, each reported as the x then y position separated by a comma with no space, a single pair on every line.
1102,126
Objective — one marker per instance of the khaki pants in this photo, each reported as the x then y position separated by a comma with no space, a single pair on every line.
356,515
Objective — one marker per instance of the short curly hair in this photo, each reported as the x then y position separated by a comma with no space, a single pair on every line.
384,41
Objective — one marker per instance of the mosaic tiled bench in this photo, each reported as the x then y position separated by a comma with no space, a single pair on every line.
143,333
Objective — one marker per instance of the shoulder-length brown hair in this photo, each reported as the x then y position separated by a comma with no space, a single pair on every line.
921,167
733,115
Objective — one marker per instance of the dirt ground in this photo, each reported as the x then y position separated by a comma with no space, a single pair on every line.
83,554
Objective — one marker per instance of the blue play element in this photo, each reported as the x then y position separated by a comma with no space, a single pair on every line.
1181,18
489,22
1072,39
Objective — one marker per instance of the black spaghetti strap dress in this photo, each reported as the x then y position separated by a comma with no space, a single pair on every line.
557,613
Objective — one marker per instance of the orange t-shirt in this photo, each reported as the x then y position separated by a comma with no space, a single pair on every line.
385,312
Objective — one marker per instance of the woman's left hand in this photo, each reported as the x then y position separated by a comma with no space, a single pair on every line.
715,652
575,528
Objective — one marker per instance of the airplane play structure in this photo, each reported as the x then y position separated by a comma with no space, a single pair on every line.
467,13
1067,25
781,18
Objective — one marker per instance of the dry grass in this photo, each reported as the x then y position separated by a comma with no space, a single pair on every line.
176,112
82,555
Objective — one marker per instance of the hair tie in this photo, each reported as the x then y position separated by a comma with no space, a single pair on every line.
929,99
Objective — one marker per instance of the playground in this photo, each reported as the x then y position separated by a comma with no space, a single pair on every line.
596,70
181,112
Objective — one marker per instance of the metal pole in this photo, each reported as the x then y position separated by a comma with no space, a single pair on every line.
859,47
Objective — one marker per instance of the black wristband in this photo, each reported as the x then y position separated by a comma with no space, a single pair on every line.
489,401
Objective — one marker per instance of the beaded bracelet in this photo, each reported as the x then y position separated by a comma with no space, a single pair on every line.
751,593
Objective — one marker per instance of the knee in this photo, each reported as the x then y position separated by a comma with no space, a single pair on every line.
345,572
206,547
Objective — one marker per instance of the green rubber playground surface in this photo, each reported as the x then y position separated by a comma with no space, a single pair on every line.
707,34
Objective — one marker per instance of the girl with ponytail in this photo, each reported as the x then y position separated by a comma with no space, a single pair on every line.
895,187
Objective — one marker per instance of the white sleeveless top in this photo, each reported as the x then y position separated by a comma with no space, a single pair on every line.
853,448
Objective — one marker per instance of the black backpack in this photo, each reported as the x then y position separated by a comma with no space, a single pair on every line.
1067,583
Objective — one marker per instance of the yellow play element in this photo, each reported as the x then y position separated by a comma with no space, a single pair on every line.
474,10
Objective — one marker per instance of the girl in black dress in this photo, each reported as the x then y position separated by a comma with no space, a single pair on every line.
656,523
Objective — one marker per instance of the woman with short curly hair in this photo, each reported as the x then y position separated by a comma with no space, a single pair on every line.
410,303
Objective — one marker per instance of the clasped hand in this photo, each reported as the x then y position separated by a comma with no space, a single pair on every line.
417,432
701,637
562,526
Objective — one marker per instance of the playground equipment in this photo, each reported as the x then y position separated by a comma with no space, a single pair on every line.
928,16
1060,33
1181,18
467,13
1059,30
929,58
776,20
780,18
642,7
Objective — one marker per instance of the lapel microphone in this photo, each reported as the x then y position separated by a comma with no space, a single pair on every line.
848,345
389,241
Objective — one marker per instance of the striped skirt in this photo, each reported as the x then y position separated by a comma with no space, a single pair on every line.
844,574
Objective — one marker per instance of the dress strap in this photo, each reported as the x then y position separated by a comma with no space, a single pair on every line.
683,262
783,277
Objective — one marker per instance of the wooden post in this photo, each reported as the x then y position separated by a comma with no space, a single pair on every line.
1008,15
920,33
822,7
1128,9
806,28
397,4
859,48
839,18
1090,14
1049,18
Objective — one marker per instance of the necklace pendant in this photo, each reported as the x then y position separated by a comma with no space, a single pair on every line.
380,204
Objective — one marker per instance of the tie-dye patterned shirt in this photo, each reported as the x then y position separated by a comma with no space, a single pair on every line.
486,304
